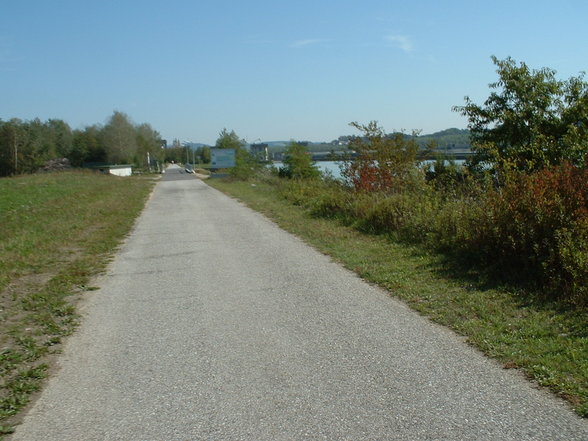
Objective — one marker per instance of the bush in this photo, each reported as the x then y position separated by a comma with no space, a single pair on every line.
446,175
246,166
538,225
383,163
534,227
298,163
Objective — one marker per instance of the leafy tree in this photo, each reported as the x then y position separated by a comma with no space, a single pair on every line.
61,137
246,165
298,162
531,120
11,140
26,145
204,154
383,162
40,142
23,146
229,140
148,142
175,154
119,139
87,146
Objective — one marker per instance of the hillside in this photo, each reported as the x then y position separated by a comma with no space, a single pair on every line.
444,140
448,139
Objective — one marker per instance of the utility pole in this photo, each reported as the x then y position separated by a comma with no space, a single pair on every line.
148,162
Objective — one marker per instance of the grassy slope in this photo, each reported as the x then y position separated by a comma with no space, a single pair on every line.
56,231
549,344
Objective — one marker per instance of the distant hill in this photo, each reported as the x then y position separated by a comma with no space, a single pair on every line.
193,145
447,139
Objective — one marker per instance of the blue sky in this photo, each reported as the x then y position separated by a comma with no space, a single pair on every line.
273,70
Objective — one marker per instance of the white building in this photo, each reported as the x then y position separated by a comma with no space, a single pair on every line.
117,170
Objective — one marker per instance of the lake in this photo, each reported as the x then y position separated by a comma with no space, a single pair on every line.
334,168
323,166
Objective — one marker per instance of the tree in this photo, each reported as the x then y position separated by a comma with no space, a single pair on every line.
148,145
229,140
119,139
61,137
87,146
23,145
175,154
532,120
26,145
11,140
204,154
382,162
298,162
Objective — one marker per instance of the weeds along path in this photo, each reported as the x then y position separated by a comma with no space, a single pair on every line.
212,323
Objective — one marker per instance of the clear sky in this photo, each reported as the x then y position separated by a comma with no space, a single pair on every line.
273,70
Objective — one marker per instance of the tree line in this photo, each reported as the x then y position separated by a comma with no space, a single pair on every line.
25,146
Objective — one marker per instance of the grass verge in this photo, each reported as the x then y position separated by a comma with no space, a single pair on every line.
547,342
56,232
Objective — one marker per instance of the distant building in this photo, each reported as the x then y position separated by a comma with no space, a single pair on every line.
260,151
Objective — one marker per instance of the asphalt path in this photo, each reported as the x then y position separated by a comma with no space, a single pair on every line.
214,324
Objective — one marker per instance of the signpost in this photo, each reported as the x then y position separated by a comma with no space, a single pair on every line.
222,158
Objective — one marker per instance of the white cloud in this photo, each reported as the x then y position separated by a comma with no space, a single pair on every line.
401,42
304,43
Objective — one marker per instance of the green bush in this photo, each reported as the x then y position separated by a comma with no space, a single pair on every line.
298,163
332,201
571,257
246,166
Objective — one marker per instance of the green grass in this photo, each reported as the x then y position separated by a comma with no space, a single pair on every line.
56,232
548,342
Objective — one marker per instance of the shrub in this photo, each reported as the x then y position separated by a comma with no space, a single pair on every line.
299,192
383,162
332,201
298,163
534,227
446,175
246,166
538,224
